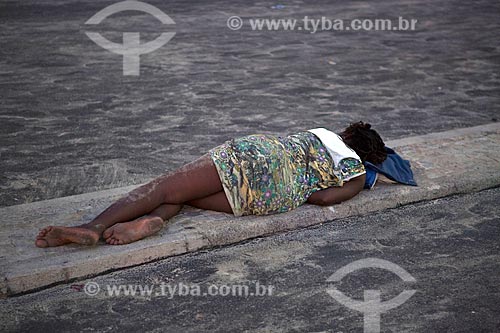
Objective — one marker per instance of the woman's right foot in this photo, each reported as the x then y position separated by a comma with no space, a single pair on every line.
128,232
57,236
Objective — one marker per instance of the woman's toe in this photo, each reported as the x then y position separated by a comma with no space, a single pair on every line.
41,243
108,233
43,232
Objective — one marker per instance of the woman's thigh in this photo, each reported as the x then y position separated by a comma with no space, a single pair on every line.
194,180
217,202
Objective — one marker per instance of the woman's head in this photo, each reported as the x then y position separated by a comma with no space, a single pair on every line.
365,142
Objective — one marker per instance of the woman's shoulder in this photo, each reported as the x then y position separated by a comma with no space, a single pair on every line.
334,144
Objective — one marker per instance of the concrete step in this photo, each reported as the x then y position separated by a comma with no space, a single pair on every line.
446,163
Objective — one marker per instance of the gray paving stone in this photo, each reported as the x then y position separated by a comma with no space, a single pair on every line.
457,161
71,123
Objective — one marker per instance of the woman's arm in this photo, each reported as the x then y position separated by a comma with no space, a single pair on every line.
335,195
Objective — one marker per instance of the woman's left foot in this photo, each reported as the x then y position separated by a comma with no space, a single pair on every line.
56,236
128,232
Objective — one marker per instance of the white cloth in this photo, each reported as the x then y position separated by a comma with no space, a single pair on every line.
335,146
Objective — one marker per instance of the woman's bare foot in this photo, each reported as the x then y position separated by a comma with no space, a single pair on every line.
57,236
128,232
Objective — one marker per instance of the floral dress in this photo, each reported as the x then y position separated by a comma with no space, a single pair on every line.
264,174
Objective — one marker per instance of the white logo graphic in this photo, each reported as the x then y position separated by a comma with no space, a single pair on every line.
131,49
234,23
91,288
372,306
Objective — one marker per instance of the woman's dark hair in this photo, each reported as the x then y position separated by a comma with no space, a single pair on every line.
365,142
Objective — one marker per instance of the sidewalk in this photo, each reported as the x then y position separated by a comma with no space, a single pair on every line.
446,163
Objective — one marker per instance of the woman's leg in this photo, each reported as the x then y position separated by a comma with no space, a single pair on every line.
193,181
128,232
217,202
150,224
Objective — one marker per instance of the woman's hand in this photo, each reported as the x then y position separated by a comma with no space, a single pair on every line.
336,195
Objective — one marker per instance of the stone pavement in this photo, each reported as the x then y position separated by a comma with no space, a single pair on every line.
446,163
451,246
71,123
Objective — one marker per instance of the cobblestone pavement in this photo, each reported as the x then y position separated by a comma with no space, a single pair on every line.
70,122
450,246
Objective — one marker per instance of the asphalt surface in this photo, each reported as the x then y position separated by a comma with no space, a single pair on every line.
450,246
71,123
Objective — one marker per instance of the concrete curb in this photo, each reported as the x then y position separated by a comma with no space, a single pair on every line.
457,161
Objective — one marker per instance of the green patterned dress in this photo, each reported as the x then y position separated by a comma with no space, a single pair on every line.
264,174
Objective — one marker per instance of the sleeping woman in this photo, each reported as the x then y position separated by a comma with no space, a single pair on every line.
252,175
